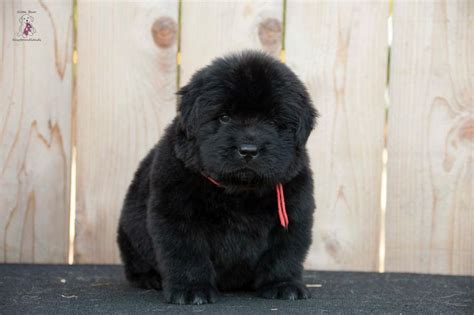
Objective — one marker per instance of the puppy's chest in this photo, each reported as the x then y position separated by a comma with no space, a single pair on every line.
233,243
239,236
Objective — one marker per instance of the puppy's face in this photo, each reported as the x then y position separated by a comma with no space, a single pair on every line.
245,147
249,118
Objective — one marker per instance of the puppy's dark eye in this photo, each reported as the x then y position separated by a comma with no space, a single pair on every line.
224,119
274,123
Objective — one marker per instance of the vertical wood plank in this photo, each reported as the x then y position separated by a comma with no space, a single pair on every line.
35,107
211,29
430,204
126,84
339,49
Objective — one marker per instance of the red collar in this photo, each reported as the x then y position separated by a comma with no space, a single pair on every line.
280,198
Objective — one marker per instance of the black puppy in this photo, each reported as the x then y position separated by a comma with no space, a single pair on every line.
225,200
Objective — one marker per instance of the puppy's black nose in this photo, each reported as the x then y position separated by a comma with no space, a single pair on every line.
248,151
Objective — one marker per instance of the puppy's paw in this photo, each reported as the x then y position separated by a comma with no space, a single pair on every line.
285,291
192,295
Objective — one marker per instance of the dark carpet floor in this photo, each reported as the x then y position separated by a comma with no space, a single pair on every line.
83,289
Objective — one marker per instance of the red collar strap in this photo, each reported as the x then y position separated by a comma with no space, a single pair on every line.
280,199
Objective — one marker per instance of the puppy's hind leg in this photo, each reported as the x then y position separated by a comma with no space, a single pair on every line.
138,272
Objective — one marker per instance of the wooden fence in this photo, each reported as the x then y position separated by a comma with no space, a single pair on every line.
95,112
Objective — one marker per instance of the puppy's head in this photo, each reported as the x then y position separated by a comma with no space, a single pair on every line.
247,117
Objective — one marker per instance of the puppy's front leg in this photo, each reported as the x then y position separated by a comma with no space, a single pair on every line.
183,259
279,273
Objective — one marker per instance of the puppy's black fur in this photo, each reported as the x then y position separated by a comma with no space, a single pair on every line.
180,232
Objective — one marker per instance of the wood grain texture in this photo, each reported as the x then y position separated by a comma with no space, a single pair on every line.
35,106
126,83
339,49
430,204
213,28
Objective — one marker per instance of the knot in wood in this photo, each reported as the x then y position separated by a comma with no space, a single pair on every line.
466,132
270,32
164,31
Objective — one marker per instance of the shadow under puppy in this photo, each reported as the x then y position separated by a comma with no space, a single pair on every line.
206,208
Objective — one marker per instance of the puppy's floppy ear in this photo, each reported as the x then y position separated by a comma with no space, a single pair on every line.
188,107
21,18
307,120
32,18
189,103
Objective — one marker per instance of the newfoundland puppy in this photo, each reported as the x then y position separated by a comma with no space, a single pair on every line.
225,200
